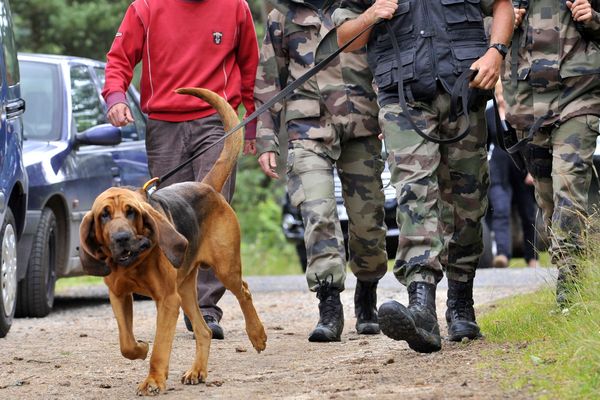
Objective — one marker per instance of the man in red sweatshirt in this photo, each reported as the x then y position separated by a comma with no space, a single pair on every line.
185,43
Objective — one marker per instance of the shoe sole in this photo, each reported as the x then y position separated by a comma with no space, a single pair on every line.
368,328
323,336
469,332
396,322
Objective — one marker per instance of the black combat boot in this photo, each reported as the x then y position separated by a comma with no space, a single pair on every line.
565,283
331,315
365,308
416,324
460,314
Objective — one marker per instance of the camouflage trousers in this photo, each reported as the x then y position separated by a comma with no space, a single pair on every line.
563,196
441,191
311,188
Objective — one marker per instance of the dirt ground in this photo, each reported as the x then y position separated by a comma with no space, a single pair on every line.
74,354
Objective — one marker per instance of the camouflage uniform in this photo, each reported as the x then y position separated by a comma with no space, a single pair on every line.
331,120
558,79
441,189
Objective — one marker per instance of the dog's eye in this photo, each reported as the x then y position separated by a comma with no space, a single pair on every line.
130,213
105,216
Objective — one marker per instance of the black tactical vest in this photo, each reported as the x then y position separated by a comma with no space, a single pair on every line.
438,40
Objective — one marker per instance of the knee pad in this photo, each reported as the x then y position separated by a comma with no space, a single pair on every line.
539,161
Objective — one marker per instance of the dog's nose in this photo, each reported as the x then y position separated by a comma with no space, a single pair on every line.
121,237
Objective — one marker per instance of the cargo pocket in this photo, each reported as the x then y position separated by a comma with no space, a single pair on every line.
466,55
462,11
386,73
303,108
294,183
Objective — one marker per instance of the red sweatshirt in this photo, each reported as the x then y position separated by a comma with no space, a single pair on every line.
209,43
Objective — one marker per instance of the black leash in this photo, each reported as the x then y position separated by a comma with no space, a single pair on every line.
461,89
153,183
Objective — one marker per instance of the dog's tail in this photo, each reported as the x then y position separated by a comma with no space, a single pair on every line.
232,146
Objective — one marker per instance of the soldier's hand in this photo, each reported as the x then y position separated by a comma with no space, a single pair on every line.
488,70
268,163
381,9
250,147
519,15
581,10
119,115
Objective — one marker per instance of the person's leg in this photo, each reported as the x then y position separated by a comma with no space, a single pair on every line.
201,134
359,167
525,200
465,192
573,145
413,164
310,187
500,201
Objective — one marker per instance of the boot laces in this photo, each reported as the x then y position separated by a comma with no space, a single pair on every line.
328,305
462,309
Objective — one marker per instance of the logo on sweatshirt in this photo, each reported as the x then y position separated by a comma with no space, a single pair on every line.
217,37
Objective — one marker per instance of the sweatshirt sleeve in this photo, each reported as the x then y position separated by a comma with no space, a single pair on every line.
124,54
247,60
271,77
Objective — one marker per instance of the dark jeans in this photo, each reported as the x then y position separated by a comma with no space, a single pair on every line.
168,144
508,187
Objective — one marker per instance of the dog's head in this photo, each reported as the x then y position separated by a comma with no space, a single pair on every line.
121,229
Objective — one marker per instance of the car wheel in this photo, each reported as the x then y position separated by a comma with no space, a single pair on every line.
301,250
8,273
36,290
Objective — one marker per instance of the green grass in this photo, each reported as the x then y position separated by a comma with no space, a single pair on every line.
543,261
554,354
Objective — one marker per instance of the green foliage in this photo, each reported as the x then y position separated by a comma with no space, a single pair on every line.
80,28
556,353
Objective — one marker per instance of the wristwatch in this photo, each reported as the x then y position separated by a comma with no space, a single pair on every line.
502,49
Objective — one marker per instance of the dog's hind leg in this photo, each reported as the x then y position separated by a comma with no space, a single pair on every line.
123,309
231,277
202,333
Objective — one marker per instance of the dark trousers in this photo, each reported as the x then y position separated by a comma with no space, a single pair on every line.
168,144
508,187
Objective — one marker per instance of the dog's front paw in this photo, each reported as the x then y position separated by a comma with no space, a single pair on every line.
193,377
151,387
258,337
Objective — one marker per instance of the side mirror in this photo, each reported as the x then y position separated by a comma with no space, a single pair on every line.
101,135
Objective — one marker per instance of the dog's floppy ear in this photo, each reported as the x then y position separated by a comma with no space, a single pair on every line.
93,260
172,243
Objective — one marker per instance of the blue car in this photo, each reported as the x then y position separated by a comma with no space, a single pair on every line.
13,179
71,154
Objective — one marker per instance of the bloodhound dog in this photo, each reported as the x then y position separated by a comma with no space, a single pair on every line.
154,246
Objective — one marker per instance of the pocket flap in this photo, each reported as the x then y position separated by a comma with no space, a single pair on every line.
468,53
450,2
403,8
302,108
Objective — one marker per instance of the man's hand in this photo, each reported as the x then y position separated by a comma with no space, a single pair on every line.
381,9
119,115
581,10
268,163
250,147
488,70
519,15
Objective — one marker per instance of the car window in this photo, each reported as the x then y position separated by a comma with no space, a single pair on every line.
131,132
9,48
87,107
40,87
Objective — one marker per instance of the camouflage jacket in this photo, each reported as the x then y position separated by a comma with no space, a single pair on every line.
297,37
558,68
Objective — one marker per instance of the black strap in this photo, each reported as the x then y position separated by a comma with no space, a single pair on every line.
278,97
460,89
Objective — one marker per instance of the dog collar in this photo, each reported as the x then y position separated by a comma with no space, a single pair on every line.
150,186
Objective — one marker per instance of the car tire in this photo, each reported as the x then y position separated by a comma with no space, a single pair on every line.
487,256
8,272
36,290
301,250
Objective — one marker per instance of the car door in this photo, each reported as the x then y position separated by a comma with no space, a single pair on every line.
130,155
